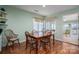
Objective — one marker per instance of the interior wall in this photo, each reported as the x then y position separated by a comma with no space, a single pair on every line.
60,23
19,21
59,29
0,35
0,43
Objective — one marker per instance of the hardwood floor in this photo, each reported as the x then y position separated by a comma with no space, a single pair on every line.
58,48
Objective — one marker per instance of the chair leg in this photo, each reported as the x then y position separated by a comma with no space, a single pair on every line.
26,44
40,44
50,44
44,46
30,50
8,48
18,42
13,44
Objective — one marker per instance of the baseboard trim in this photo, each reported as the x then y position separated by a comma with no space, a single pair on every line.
67,42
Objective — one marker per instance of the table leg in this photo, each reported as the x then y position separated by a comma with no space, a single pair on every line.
53,39
36,46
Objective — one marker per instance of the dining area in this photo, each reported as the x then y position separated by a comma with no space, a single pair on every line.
23,32
36,40
39,30
37,43
42,39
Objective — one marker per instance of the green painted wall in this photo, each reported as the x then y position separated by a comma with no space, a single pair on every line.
19,21
60,23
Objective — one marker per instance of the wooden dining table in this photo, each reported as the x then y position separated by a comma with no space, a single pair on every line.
38,37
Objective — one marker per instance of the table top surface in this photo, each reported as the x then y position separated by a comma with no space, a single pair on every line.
39,35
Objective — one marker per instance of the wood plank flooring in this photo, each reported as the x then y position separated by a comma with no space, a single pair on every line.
58,48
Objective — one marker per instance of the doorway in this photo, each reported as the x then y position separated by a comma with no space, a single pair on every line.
71,28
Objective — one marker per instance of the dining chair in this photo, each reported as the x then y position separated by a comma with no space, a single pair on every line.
53,36
46,41
30,41
11,37
35,32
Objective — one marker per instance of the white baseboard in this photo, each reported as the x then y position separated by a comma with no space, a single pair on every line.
0,49
67,42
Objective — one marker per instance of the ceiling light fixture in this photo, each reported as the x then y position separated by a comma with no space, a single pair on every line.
43,5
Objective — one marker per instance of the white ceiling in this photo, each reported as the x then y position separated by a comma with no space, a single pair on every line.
49,9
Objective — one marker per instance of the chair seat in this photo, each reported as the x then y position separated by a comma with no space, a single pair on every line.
13,39
32,42
45,41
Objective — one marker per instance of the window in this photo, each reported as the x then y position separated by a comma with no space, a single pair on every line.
71,23
51,25
54,26
43,25
40,26
37,25
48,26
74,26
